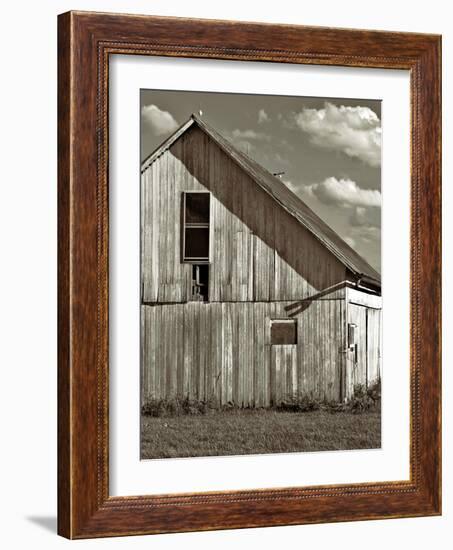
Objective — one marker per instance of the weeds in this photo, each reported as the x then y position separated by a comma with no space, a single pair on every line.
178,406
299,403
374,391
363,400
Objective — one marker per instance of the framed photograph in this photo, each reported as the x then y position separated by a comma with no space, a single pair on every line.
249,275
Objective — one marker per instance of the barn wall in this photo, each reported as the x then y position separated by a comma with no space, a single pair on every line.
222,351
260,252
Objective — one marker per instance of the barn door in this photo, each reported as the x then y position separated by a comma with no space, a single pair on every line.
363,346
283,373
356,354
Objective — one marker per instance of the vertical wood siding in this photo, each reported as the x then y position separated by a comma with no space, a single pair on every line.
374,345
222,351
264,265
259,251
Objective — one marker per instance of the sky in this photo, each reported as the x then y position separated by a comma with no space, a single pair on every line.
329,149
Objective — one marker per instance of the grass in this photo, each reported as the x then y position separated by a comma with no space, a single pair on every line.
258,431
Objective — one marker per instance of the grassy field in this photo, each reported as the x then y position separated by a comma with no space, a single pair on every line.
240,432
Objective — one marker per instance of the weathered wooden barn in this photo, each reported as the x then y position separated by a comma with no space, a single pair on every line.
247,296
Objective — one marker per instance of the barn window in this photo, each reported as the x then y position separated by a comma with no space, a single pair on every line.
283,332
196,220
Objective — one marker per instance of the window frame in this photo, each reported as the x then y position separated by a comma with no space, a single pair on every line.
283,320
189,259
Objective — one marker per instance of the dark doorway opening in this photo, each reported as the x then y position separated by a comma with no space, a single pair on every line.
200,283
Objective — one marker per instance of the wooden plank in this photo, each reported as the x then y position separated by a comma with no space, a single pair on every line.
311,318
284,360
373,345
179,350
165,235
217,351
236,266
280,373
333,342
171,227
229,353
257,272
305,348
241,336
161,239
210,353
144,347
195,388
267,354
295,387
250,355
188,347
150,351
178,290
245,366
289,351
214,277
174,345
157,339
203,350
273,373
154,260
144,231
164,345
257,346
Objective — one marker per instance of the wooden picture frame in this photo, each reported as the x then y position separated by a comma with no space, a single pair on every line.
85,41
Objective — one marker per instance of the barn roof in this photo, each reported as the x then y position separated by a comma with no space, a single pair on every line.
286,198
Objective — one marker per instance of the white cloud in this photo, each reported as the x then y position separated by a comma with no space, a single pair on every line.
366,224
356,131
363,227
368,234
344,192
249,134
365,217
161,122
262,116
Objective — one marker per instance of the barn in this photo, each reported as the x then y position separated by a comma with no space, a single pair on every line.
247,296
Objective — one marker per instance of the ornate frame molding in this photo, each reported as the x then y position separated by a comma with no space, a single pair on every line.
86,40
